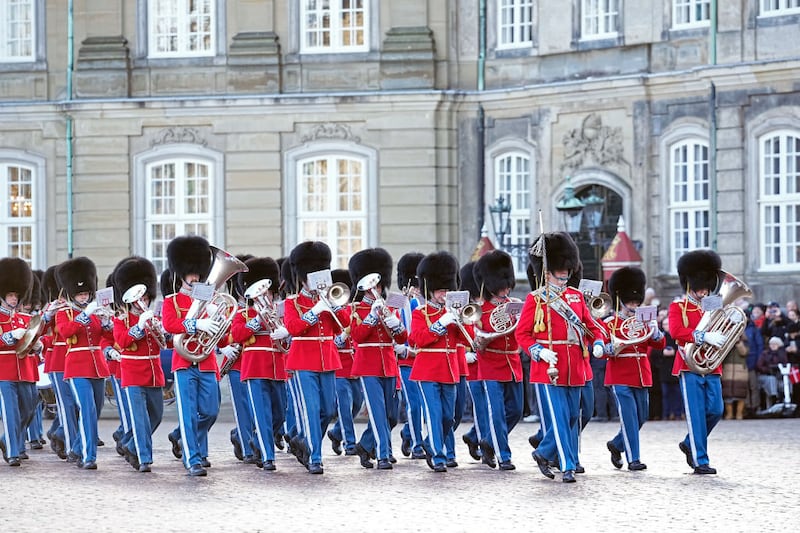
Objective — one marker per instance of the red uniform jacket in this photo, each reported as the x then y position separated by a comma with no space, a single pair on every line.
631,366
437,357
11,367
141,354
683,332
499,361
573,353
260,359
173,315
56,354
83,334
374,347
312,346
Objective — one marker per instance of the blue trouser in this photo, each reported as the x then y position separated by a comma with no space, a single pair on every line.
438,400
349,399
36,427
504,407
480,413
242,413
412,430
89,393
268,403
124,429
145,409
14,402
561,437
316,392
633,405
292,415
587,404
67,429
27,408
379,393
197,395
458,414
702,400
544,414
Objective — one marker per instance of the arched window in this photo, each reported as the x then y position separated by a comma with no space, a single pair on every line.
779,199
512,183
178,194
689,208
21,215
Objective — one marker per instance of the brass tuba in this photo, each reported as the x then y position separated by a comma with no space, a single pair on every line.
198,346
266,309
133,296
729,320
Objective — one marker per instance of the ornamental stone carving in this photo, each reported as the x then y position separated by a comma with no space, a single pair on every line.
592,143
330,130
178,135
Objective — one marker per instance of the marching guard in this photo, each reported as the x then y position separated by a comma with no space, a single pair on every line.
556,328
628,371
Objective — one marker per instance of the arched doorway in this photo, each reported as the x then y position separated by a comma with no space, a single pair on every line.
596,233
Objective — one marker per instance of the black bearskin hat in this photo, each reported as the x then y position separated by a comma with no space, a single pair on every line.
341,275
368,261
76,276
288,284
15,276
407,270
167,283
575,277
35,296
562,254
260,268
309,256
494,271
50,286
699,269
627,284
189,254
132,271
438,270
467,281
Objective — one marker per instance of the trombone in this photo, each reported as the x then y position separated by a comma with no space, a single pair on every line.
133,296
367,284
335,295
266,309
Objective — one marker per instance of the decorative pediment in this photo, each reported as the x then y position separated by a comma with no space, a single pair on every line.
330,130
178,135
592,143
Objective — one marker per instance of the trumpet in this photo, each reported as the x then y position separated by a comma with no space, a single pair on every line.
133,296
600,306
335,295
368,284
198,346
469,314
265,307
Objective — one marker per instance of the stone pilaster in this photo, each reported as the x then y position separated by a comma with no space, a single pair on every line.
407,58
103,67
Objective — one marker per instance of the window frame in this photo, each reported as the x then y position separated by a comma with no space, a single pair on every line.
601,15
36,166
520,219
145,48
36,38
142,216
692,5
292,195
782,200
336,14
782,10
517,28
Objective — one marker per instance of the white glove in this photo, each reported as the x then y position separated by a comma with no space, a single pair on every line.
392,322
447,319
144,318
91,308
37,347
597,350
548,356
319,308
471,357
714,338
230,351
376,308
279,333
207,325
401,350
18,333
113,355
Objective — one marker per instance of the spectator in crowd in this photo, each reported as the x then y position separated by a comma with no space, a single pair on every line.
775,322
767,366
755,345
791,305
735,380
757,315
663,360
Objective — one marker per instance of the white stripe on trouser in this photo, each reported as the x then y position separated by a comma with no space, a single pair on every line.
475,423
6,432
124,420
427,413
133,424
492,429
62,410
181,421
239,432
621,412
256,420
81,415
304,415
409,417
688,412
375,433
542,418
556,434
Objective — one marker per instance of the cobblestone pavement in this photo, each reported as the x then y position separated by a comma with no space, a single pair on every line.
755,490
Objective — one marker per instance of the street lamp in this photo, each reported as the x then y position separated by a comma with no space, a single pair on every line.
501,220
571,209
593,208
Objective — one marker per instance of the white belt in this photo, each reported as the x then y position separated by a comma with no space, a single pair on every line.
374,345
438,350
141,356
82,348
312,339
504,352
260,349
624,355
10,352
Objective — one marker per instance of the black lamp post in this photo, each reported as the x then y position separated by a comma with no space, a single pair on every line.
501,220
571,209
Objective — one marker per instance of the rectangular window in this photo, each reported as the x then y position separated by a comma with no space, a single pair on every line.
181,28
513,186
17,218
691,13
178,203
331,26
515,23
689,200
16,31
332,205
777,8
780,200
599,19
